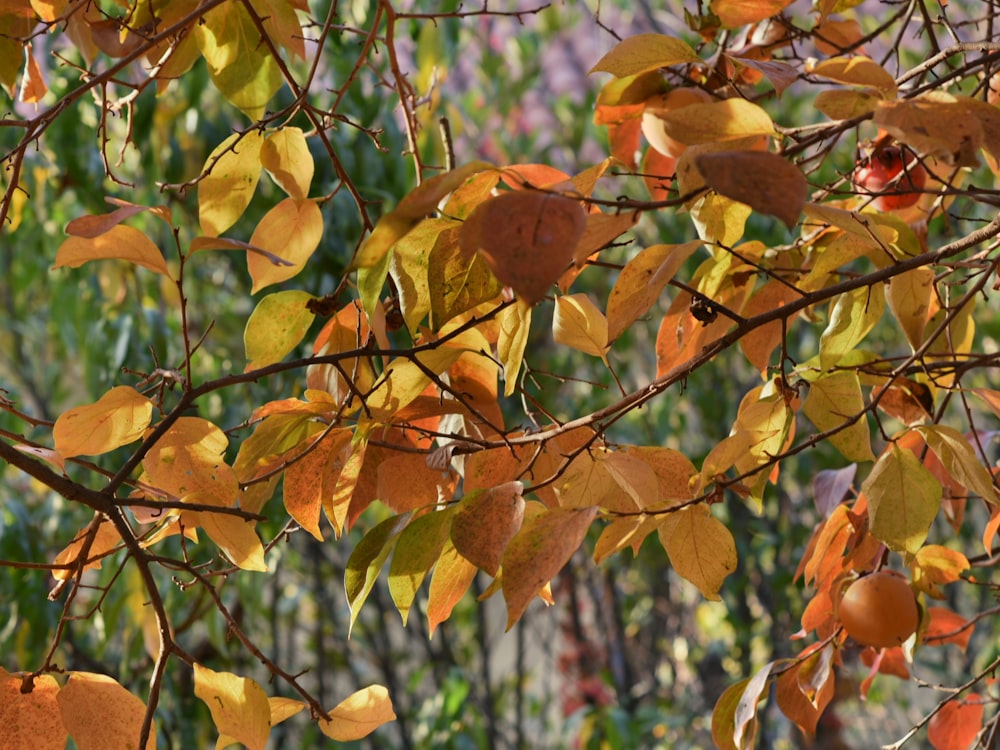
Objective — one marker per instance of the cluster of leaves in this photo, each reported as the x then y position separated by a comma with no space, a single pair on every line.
416,405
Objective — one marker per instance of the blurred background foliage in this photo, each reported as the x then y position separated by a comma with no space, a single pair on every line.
630,657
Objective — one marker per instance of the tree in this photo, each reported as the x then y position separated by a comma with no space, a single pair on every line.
425,392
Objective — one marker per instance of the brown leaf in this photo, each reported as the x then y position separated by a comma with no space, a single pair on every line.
528,238
486,522
764,181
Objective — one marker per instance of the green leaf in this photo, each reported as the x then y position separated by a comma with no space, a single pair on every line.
854,314
903,499
240,64
276,326
831,401
419,546
367,560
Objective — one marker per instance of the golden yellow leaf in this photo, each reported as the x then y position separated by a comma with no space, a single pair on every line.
857,70
99,713
189,458
283,708
909,297
515,325
644,52
701,549
577,323
239,706
452,577
30,720
290,231
233,171
33,86
276,326
233,535
106,541
844,104
286,157
726,120
831,400
118,243
118,418
358,715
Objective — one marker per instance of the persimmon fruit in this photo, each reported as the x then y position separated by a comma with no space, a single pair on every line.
893,176
879,610
652,117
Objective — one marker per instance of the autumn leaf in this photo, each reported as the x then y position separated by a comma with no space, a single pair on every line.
285,155
957,724
641,53
831,401
118,418
857,70
578,324
367,559
120,242
734,13
903,499
804,691
99,713
239,706
960,459
290,231
189,458
538,552
766,182
30,719
909,297
308,481
717,122
276,326
419,547
224,193
106,540
485,523
852,317
452,577
358,715
701,549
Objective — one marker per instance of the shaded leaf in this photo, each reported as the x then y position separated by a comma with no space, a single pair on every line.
909,297
832,400
456,282
803,701
724,716
485,523
903,499
745,718
367,560
106,540
308,480
857,70
538,552
452,577
766,182
960,459
419,547
733,13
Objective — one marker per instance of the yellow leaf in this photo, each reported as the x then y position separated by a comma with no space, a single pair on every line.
909,297
766,182
515,325
632,475
644,52
118,243
903,500
538,552
290,231
233,535
831,401
733,13
99,713
30,720
844,104
358,715
960,459
118,418
233,171
854,314
404,380
276,326
857,70
285,155
106,541
577,323
673,471
282,25
239,706
240,65
485,523
189,458
701,549
367,559
726,120
283,708
409,269
935,124
640,282
456,282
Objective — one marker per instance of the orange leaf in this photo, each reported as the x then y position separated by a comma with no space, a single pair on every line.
290,231
957,724
358,715
118,243
527,238
485,523
766,182
538,552
307,483
105,542
452,577
118,418
644,52
30,719
735,13
99,713
33,86
945,626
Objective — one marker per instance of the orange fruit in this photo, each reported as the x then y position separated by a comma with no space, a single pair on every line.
879,610
893,175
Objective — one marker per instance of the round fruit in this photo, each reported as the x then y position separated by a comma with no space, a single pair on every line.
657,106
879,610
894,183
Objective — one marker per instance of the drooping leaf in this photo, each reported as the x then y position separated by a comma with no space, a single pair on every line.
759,344
766,182
538,552
853,316
903,499
946,626
235,536
285,155
724,716
485,523
409,267
857,70
118,418
527,238
419,547
745,718
239,706
106,540
701,549
936,565
960,459
367,560
457,283
99,713
358,715
578,324
31,719
641,53
909,298
233,171
957,725
290,231
308,480
450,580
515,325
804,692
834,399
276,326
734,13
241,66
120,242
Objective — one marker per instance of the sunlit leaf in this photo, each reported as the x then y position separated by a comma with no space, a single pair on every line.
31,719
276,326
834,399
285,155
419,547
957,724
909,297
735,13
308,481
367,560
722,121
852,317
235,536
644,52
577,323
105,541
857,70
701,549
118,418
960,459
452,577
358,715
290,231
99,713
233,171
120,242
515,325
239,706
